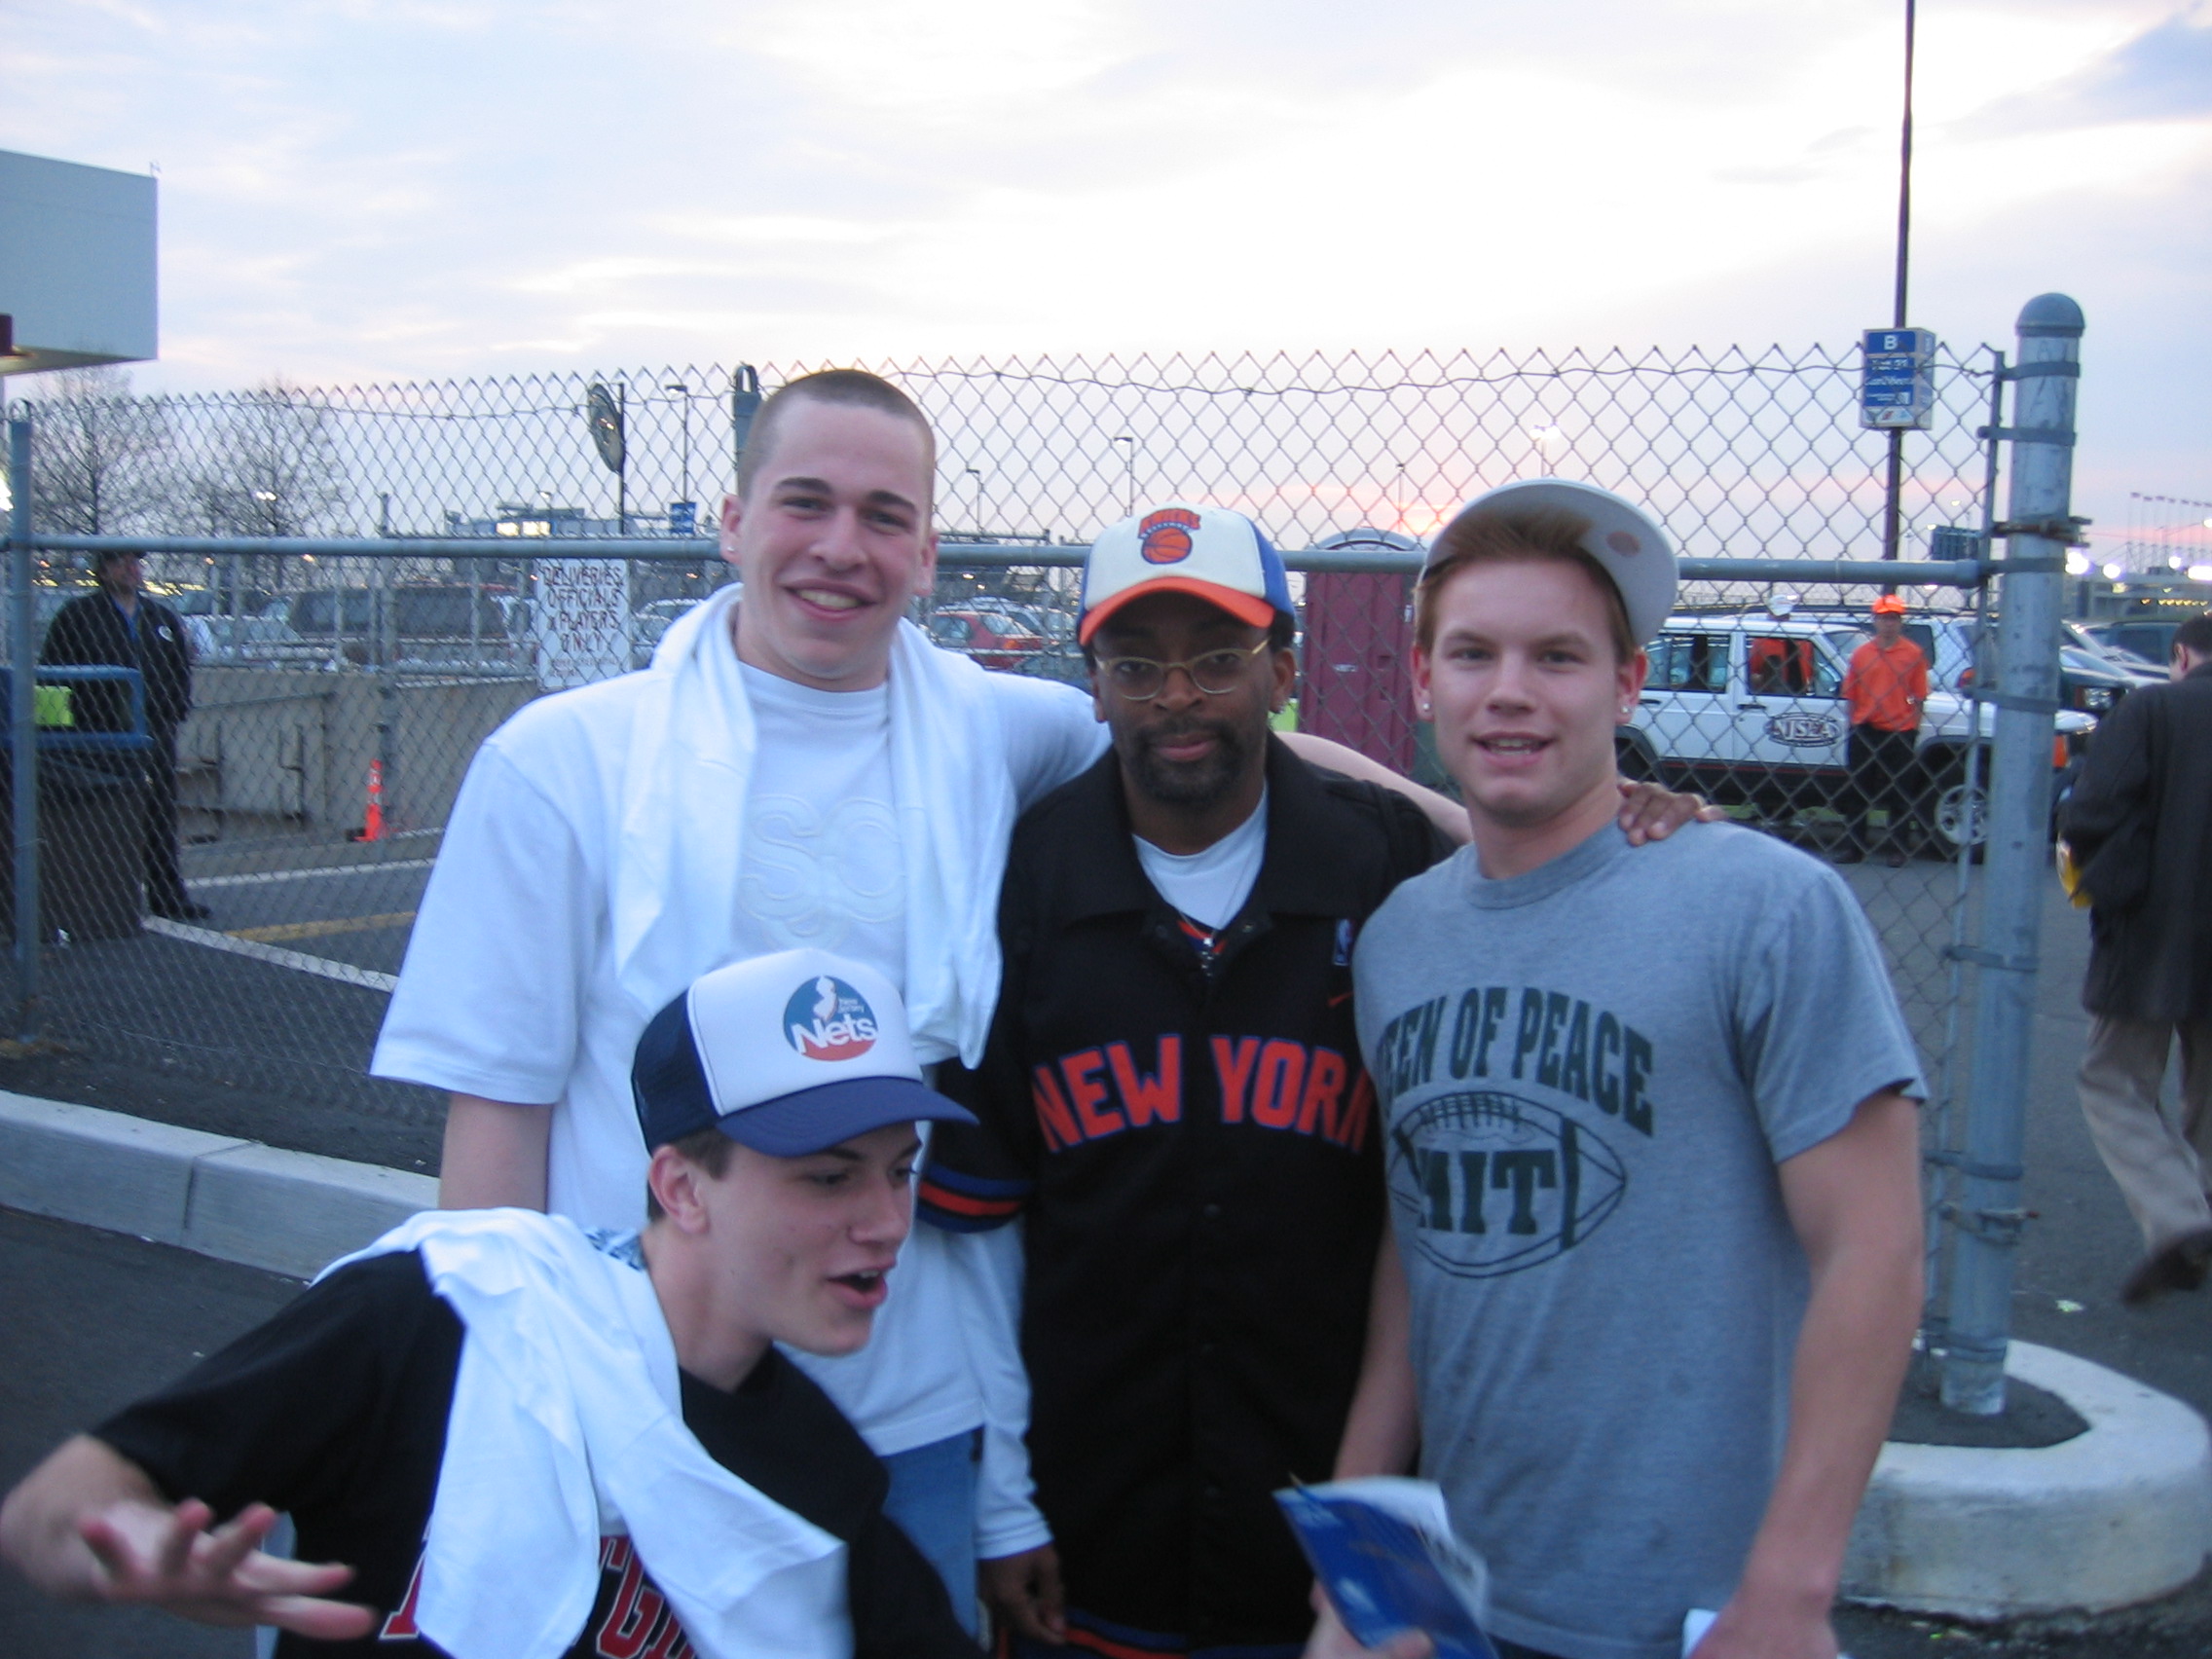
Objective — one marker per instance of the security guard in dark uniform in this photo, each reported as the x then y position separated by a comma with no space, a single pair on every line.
120,627
1174,1105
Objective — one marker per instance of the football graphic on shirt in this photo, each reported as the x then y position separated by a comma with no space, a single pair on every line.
1489,1184
827,1020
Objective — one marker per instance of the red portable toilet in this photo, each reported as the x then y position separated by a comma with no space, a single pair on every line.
1359,652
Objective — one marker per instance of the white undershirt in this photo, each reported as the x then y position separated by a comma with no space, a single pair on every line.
1211,886
820,865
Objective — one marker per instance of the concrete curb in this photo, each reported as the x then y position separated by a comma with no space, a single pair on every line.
238,1200
2115,1516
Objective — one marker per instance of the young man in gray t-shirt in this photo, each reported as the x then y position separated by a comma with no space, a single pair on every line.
1652,1143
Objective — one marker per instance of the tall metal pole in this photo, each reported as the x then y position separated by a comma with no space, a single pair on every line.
1890,507
23,725
2039,525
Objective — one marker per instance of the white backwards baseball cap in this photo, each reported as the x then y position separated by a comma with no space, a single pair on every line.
1216,553
1625,542
788,1055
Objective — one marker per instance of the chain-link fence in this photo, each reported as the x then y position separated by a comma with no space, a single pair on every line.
341,686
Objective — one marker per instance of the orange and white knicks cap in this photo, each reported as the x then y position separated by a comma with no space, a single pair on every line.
1213,553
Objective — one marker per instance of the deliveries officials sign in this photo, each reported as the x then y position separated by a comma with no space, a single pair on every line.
1897,383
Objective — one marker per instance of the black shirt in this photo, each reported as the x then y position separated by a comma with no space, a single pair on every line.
92,632
336,1412
1195,1155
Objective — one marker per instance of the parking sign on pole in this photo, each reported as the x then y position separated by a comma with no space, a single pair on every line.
1896,381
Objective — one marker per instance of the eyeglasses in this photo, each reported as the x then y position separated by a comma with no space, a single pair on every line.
1140,679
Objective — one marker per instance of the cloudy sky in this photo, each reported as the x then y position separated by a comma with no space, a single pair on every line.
400,189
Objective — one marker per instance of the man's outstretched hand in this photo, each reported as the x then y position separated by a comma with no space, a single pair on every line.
175,1559
1023,1592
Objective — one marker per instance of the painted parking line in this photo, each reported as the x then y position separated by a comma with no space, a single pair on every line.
344,972
309,873
281,933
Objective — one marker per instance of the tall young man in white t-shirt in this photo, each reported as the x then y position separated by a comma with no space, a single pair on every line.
799,770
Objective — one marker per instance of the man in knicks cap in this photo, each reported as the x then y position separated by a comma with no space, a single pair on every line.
1172,1104
1649,1130
502,1437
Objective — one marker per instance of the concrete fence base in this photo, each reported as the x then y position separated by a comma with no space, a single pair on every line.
2119,1514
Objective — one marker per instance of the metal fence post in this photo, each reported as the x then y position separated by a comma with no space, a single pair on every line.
2039,526
22,725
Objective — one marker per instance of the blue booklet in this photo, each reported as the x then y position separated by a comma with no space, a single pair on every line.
1386,1556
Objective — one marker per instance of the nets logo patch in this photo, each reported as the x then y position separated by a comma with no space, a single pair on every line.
827,1020
1494,1184
1164,537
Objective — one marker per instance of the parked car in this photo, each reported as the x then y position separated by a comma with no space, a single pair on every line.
991,638
1043,620
2149,639
1749,711
225,625
652,620
427,623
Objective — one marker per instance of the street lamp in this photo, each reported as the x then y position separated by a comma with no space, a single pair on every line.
976,473
1126,438
678,391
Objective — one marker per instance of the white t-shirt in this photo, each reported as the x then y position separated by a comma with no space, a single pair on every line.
509,990
821,865
1211,886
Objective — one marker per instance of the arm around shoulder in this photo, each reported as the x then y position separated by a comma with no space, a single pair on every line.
1441,810
495,1154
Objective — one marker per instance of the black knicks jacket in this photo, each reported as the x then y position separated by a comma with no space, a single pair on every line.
1197,1165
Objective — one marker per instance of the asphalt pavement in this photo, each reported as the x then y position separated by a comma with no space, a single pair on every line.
89,1323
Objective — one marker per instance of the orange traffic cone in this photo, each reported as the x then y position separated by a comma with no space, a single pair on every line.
372,817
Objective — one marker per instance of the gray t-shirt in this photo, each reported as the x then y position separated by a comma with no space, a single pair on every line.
1589,1075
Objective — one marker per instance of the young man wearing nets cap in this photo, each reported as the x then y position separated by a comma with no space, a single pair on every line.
505,1438
1650,1142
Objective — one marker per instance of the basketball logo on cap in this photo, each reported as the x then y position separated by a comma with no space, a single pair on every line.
1164,537
827,1020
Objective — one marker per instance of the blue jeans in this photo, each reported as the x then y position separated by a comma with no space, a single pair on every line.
933,1499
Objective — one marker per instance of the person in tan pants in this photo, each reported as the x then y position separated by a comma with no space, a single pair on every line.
2140,823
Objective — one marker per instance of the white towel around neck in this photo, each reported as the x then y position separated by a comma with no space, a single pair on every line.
689,761
567,1424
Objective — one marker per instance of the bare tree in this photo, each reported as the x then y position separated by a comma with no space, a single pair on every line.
270,465
102,458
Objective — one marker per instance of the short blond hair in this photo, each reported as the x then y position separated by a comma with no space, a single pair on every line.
1545,536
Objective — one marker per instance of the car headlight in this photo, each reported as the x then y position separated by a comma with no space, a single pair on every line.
2097,697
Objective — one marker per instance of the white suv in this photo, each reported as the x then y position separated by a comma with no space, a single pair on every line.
1747,709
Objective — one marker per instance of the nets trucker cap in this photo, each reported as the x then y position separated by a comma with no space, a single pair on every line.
788,1055
1625,542
1216,553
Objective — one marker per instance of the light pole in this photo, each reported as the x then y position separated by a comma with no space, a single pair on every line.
1895,479
976,473
1126,438
678,391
